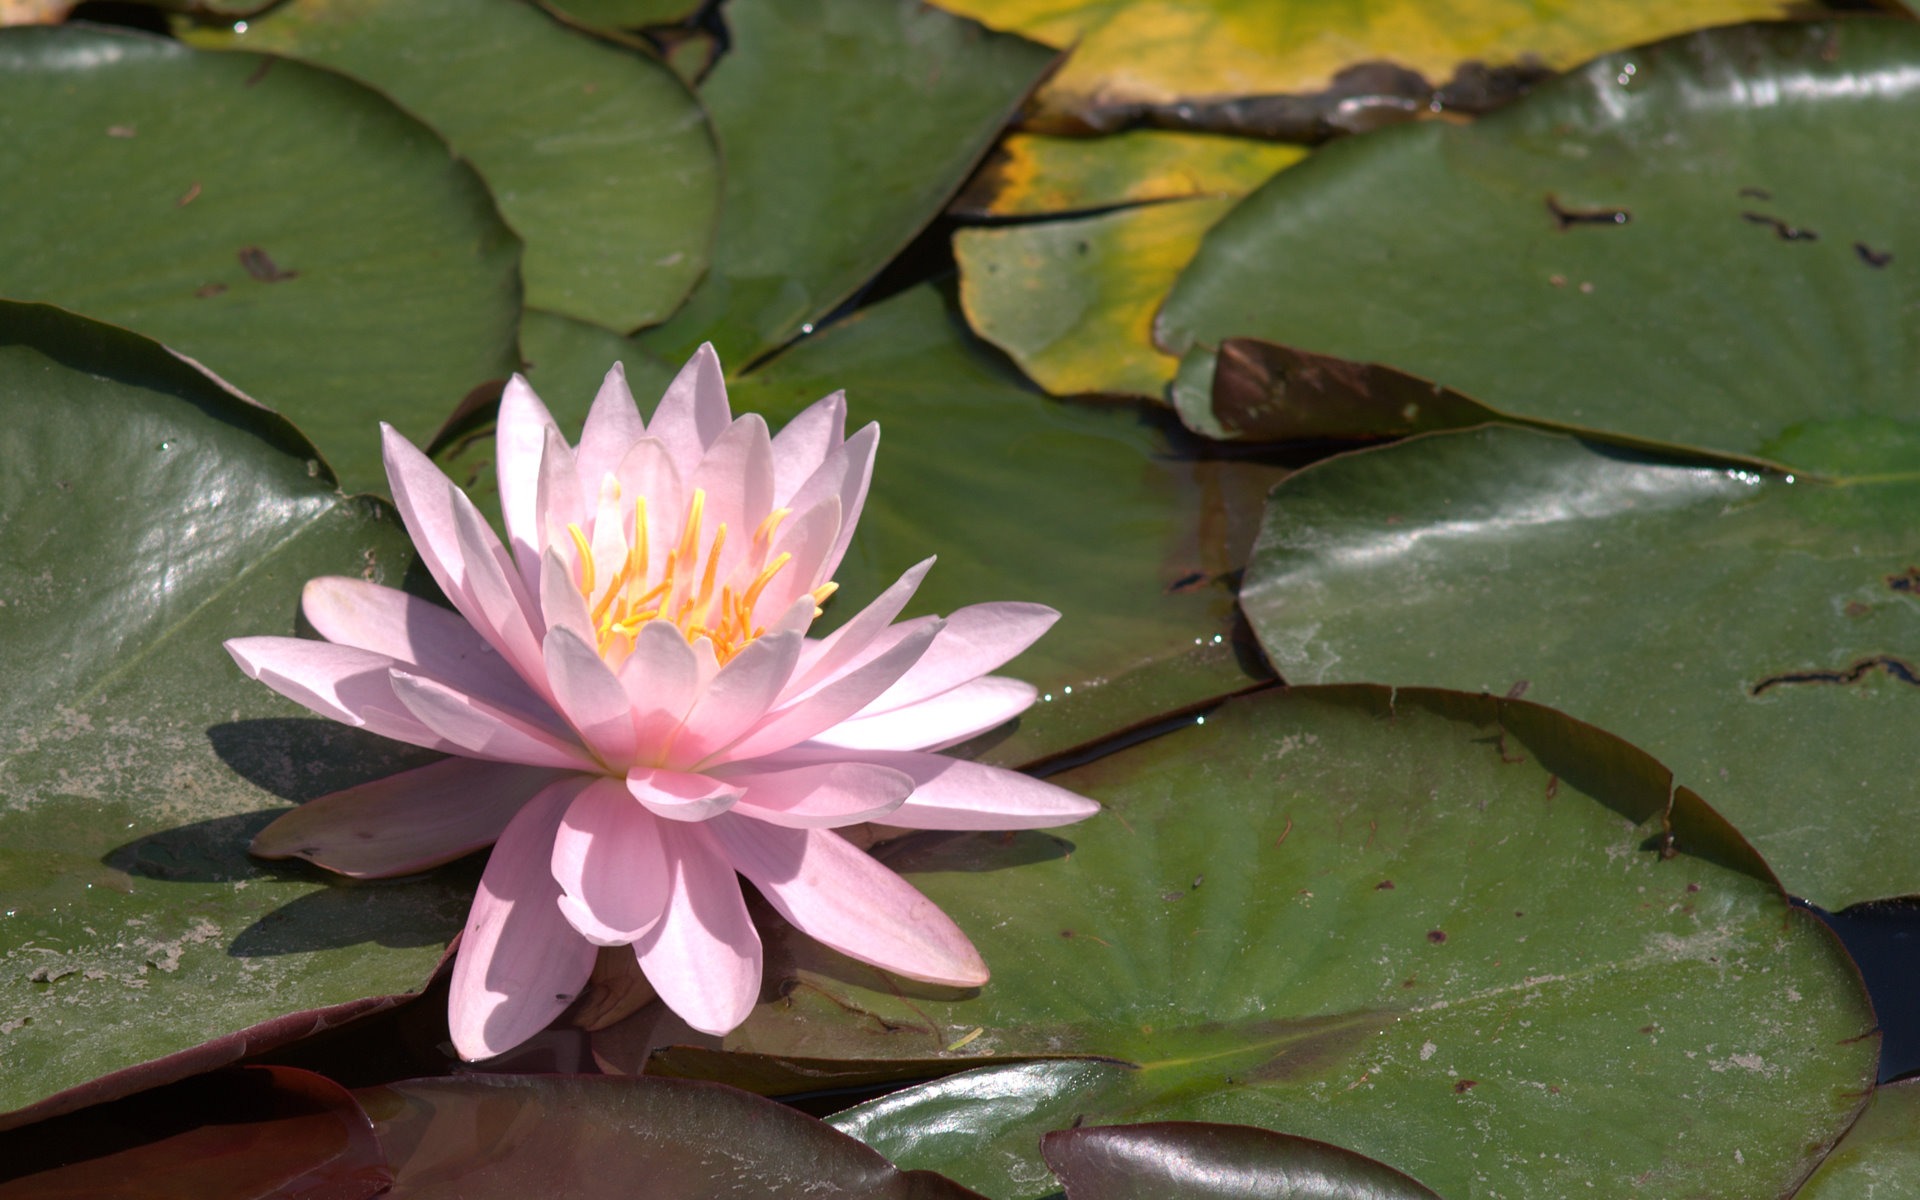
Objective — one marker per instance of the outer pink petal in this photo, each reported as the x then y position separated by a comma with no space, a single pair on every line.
832,653
480,730
704,955
803,444
818,796
842,898
354,687
693,412
661,679
613,426
952,793
737,475
952,716
679,796
975,640
406,822
590,695
832,703
611,865
846,474
498,605
520,964
425,499
421,635
561,500
737,698
519,442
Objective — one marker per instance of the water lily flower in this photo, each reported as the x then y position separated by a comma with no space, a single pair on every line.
638,716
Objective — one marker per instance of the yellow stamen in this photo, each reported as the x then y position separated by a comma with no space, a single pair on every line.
586,560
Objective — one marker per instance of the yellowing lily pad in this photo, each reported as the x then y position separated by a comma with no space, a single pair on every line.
599,157
1035,175
1138,58
1073,301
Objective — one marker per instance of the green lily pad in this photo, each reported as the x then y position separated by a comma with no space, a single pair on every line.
591,1137
1192,1160
1879,1159
1705,242
599,157
148,515
626,14
846,126
1073,301
1752,630
1473,939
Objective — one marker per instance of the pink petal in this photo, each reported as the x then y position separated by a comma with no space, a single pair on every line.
589,694
819,796
519,441
806,537
611,865
976,640
425,499
498,605
354,687
648,470
953,716
560,501
520,964
480,730
693,412
803,444
420,635
842,898
738,697
737,476
952,793
613,426
406,822
680,796
704,955
833,702
561,604
834,652
846,474
661,678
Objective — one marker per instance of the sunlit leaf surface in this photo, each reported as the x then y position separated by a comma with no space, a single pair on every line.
1880,1157
1705,242
1374,919
297,233
1754,631
598,155
149,514
1036,175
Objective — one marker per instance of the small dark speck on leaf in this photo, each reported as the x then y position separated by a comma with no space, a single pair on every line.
1519,688
259,72
1871,257
263,268
1565,218
1856,609
1461,1086
1079,1119
1553,786
1081,248
1693,887
1518,913
1436,936
1646,1029
1786,232
1756,193
1408,981
1067,933
207,290
1385,885
1198,880
1907,581
1187,582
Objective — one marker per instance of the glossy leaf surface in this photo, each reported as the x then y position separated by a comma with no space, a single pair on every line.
846,125
598,156
1135,55
149,514
1191,1160
1703,242
1754,631
502,1137
295,232
1443,931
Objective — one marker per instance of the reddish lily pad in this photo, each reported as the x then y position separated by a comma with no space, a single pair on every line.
1192,1160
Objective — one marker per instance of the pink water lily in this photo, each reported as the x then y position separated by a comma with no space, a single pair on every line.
637,712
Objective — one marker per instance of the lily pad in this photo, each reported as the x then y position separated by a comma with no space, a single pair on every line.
1073,301
1192,1160
832,170
1473,939
1036,175
149,513
1320,65
1752,630
1704,242
1103,512
503,1137
289,228
1880,1157
599,157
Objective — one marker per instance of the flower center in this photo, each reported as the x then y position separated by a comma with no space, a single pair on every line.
684,586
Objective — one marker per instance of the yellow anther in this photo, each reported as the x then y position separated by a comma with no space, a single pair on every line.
586,560
768,527
690,536
640,536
